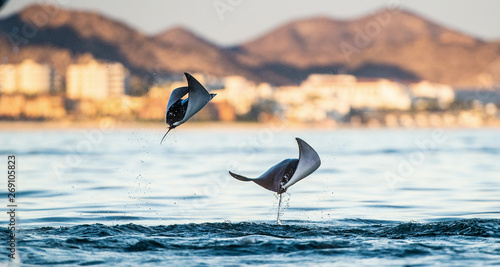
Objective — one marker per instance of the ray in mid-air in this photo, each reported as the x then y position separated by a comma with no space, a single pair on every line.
180,110
288,172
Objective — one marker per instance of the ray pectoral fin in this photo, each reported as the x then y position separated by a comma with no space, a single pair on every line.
240,177
309,162
176,95
198,97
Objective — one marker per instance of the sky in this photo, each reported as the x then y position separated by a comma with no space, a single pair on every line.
231,22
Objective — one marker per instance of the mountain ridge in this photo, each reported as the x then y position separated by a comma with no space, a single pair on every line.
395,44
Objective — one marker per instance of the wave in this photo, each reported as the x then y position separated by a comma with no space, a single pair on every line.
291,242
88,233
291,229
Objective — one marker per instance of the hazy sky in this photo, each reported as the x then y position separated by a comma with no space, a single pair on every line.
229,22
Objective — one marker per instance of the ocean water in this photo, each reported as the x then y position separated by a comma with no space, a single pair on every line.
116,197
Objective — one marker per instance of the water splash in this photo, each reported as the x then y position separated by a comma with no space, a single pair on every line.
283,203
279,209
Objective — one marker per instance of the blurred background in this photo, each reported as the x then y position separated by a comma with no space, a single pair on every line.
325,64
399,98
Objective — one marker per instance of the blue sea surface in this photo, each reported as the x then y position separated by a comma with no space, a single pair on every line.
387,197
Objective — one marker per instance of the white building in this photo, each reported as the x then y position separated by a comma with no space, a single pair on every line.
444,94
8,75
242,94
321,95
375,94
27,77
95,80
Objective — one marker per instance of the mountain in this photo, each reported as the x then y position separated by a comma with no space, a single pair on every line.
398,45
67,35
189,52
75,33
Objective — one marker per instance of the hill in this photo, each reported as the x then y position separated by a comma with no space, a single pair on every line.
397,45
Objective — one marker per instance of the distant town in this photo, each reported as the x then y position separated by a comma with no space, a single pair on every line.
94,89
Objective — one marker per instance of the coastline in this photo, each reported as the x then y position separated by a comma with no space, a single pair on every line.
113,124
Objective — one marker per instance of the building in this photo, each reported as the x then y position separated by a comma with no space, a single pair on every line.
27,77
324,96
8,75
367,94
243,94
443,94
97,81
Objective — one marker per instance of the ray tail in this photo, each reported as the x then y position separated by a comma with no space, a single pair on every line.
169,128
